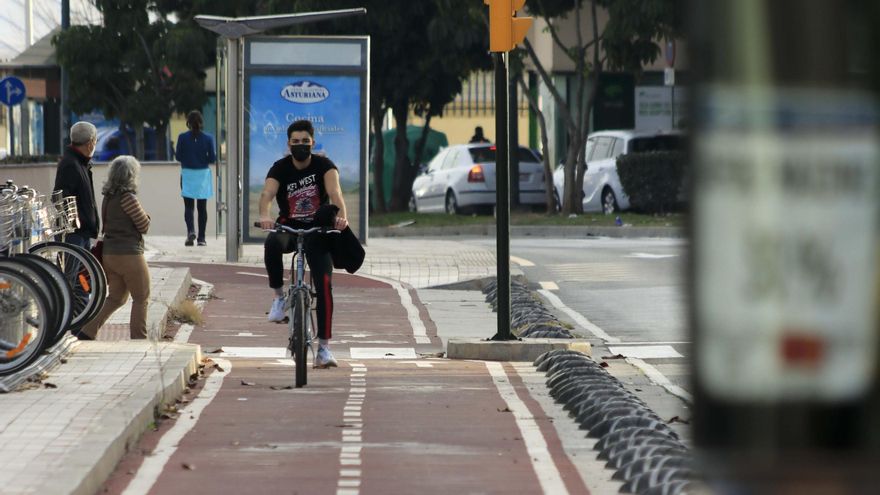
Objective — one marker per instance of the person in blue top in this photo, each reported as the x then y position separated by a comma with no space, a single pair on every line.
195,152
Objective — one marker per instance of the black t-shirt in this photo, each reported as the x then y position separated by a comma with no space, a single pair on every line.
300,192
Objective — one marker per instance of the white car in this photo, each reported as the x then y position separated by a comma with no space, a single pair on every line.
602,189
462,178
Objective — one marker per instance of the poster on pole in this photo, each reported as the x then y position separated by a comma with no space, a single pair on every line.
329,90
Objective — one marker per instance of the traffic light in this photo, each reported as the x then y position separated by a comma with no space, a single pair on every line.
506,30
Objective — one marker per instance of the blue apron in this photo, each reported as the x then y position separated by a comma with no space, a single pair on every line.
196,183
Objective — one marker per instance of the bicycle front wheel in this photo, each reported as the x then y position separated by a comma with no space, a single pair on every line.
299,318
25,321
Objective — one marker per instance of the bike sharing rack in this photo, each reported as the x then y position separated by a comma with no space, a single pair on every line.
272,81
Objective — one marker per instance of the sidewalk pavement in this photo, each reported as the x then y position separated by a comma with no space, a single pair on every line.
87,411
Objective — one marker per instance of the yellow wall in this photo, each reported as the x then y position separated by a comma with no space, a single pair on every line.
459,129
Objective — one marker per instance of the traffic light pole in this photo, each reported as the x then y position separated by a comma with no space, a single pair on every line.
502,202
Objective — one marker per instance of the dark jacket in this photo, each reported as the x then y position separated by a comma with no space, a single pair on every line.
74,178
347,251
345,248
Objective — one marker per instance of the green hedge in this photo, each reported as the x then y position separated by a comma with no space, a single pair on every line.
653,181
30,159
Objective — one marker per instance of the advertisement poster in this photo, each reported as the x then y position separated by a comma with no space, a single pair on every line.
331,102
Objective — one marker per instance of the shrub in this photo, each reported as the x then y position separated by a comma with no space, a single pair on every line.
654,181
16,159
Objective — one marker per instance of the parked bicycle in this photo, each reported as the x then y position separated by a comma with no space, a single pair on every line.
299,302
46,287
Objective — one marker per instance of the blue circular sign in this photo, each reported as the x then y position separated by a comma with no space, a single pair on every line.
12,91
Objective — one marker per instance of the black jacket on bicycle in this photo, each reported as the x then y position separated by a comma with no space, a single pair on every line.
345,249
74,178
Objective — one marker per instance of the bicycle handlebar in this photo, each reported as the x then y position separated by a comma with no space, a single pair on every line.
284,228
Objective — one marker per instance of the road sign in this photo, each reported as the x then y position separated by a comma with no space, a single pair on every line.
669,76
670,53
12,91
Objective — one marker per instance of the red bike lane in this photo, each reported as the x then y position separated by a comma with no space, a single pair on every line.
392,418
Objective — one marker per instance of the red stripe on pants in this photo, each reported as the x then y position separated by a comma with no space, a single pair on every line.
328,308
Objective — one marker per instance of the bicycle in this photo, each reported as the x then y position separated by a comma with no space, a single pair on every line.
300,327
46,288
34,307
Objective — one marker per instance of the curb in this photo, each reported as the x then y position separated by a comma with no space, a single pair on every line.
511,350
96,456
169,294
531,231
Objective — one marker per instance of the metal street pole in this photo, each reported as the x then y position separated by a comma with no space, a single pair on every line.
233,148
218,137
64,120
502,202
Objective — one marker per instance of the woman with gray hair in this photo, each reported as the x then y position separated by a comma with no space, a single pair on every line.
125,223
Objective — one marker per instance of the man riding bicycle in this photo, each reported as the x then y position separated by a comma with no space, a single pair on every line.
301,183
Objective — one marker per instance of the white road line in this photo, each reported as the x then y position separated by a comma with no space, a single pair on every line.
677,342
659,379
577,317
651,256
350,455
542,462
419,364
521,261
382,353
153,464
420,333
646,351
652,373
549,285
253,274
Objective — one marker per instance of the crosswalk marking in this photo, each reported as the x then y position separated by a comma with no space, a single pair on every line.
593,272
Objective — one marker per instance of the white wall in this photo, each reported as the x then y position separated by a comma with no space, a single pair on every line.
159,192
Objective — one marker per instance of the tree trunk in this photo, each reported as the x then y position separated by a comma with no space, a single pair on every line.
161,143
122,132
139,140
420,148
400,191
378,160
572,202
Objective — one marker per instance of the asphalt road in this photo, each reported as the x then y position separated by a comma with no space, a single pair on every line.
633,290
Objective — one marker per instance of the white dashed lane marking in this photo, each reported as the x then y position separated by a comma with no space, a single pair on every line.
352,435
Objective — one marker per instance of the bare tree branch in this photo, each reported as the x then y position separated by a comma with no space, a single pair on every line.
560,102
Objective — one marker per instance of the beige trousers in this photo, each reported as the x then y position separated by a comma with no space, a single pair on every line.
126,274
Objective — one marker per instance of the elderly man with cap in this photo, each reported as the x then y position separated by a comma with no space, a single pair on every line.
74,178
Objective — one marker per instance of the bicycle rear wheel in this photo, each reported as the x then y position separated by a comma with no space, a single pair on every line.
299,318
84,276
58,286
25,321
58,316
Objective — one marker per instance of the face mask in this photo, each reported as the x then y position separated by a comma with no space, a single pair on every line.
300,152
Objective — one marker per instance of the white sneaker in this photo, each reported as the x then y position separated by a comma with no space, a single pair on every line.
276,313
325,358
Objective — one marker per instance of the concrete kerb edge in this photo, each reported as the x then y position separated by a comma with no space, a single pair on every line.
511,350
530,231
95,458
157,320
